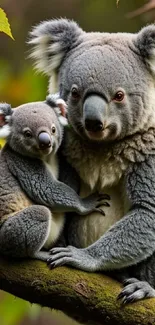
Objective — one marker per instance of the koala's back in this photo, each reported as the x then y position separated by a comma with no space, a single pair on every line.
12,198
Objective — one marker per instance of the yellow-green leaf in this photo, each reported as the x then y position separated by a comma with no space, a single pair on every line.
4,24
2,143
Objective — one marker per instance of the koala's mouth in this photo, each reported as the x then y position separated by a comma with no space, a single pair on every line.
46,151
100,135
107,134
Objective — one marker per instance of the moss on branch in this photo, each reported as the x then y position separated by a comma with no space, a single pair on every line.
86,297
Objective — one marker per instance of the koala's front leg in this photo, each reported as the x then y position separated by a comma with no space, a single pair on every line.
128,242
24,233
37,181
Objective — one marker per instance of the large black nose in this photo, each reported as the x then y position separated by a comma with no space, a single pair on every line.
93,125
44,140
94,112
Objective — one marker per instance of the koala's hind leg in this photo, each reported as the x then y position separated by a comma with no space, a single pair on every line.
25,233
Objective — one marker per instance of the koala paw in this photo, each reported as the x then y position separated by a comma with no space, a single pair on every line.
135,290
78,258
93,203
101,202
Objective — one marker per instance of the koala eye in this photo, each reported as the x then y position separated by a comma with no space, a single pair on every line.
53,129
75,92
119,96
27,134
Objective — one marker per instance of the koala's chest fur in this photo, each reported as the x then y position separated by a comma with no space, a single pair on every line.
103,169
52,165
57,219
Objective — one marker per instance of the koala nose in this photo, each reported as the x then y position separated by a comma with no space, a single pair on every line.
94,112
93,125
44,140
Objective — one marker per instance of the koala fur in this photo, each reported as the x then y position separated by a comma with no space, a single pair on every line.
33,202
108,81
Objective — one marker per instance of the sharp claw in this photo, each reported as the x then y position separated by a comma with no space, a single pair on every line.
124,301
101,211
130,299
125,282
121,295
48,260
106,204
104,196
52,265
129,281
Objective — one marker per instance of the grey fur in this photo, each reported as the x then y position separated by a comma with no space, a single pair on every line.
32,200
135,290
62,29
117,156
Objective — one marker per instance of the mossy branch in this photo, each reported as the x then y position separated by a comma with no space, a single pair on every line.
86,297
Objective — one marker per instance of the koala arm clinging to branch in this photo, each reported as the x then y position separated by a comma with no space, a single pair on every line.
131,240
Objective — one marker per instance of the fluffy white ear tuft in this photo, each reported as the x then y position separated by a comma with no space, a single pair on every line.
63,120
51,41
62,106
5,131
47,56
145,41
5,116
59,106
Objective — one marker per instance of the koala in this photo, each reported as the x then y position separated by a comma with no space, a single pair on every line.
108,82
33,201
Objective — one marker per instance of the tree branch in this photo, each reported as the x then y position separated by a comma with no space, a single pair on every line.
86,297
142,10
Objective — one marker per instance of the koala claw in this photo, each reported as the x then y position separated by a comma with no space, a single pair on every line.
60,256
106,204
135,290
103,197
78,258
100,211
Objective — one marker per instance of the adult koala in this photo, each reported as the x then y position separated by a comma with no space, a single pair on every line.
108,81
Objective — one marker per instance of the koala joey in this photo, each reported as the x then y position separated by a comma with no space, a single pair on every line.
33,201
108,81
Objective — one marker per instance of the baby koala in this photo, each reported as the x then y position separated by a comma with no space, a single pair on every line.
33,201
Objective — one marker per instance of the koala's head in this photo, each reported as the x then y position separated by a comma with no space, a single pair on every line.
108,80
34,129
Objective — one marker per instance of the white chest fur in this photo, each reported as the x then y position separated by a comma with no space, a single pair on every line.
56,222
106,177
52,165
102,169
93,226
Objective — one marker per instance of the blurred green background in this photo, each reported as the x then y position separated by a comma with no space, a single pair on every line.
20,84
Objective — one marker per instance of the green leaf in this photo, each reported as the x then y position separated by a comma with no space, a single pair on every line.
4,24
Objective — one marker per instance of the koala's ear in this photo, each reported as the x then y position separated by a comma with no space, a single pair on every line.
51,41
59,106
145,42
5,116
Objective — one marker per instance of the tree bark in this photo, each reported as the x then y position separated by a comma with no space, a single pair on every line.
89,298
